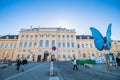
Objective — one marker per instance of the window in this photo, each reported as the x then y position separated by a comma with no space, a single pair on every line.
35,44
53,42
28,50
18,55
59,56
67,36
25,44
41,35
11,45
58,36
78,45
82,45
53,35
73,50
40,43
64,56
22,36
69,57
6,46
26,36
63,36
24,50
74,56
23,56
68,45
72,45
2,45
91,46
84,55
30,44
31,36
93,54
63,44
80,37
35,36
28,56
68,50
87,46
59,45
15,45
71,36
47,43
88,37
47,35
20,45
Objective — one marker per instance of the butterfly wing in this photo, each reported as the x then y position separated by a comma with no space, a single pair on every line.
98,39
108,35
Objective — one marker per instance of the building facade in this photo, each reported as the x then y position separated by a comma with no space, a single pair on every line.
37,43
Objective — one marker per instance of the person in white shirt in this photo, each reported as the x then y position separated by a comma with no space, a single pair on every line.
75,65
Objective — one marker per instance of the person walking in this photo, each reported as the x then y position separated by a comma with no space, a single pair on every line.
24,62
18,63
75,65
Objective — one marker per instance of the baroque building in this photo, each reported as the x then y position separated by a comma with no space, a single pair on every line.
37,43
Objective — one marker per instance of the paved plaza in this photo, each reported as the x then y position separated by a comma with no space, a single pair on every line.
40,71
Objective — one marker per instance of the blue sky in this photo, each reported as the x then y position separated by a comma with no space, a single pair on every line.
71,14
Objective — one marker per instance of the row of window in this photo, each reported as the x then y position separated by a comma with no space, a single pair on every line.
47,35
59,56
47,44
41,50
6,45
85,45
34,44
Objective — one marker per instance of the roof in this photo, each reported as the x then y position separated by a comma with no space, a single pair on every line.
9,37
84,37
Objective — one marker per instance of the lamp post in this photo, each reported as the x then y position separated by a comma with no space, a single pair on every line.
53,53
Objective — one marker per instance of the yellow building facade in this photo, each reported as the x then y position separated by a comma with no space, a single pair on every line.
37,43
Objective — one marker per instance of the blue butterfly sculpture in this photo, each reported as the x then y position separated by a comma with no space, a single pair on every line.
100,41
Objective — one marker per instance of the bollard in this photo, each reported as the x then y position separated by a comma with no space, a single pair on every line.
52,69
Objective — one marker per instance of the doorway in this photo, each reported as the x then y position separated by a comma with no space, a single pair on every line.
39,58
46,54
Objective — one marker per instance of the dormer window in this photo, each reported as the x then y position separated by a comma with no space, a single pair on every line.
88,37
80,37
15,37
7,37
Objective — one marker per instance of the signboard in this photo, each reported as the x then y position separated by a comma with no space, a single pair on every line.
110,61
53,48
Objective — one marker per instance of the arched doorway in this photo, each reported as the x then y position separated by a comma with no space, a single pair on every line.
46,54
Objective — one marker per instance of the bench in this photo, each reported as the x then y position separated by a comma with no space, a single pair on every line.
88,65
3,65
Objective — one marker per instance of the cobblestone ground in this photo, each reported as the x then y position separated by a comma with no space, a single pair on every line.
40,71
33,71
67,73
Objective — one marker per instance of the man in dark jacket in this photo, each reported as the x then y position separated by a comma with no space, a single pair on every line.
18,63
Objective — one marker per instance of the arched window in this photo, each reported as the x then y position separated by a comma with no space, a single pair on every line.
78,45
40,43
47,43
53,42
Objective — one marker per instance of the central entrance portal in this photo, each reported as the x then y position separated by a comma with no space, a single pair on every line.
46,54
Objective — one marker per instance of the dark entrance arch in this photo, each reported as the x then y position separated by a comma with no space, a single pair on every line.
46,54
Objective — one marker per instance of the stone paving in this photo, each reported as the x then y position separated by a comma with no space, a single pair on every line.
40,71
97,72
